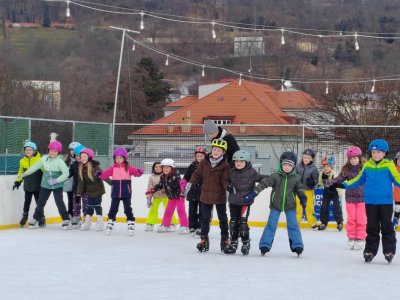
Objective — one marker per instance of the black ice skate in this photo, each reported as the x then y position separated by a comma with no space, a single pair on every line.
298,250
339,226
264,250
224,242
322,226
204,244
24,219
42,222
246,248
389,256
231,247
369,256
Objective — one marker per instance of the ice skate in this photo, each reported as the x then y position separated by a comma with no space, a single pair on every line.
314,227
246,248
322,227
87,223
204,244
75,223
24,219
33,224
99,223
298,250
149,227
395,223
224,242
264,250
42,222
163,228
110,226
184,230
231,247
389,256
131,228
66,225
368,256
351,243
339,226
359,245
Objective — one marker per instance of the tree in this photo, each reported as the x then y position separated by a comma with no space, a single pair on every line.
46,15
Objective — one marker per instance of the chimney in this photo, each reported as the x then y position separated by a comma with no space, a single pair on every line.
187,121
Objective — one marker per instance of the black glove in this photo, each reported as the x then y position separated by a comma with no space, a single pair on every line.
340,186
310,182
231,189
303,202
17,184
249,198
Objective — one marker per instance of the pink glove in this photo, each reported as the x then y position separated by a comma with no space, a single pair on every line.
149,192
140,171
183,185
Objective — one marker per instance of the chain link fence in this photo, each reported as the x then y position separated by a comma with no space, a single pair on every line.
148,143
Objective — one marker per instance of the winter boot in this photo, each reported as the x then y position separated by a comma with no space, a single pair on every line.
339,226
246,247
264,250
322,226
298,250
87,223
66,225
389,256
395,223
33,224
99,223
204,244
224,242
110,226
369,256
24,219
131,228
149,227
231,247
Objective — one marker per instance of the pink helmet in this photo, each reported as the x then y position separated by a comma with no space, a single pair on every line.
89,152
353,151
56,146
120,152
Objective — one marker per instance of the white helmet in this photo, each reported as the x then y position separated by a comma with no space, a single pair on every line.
168,162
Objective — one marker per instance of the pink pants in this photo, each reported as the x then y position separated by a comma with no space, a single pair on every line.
356,221
179,204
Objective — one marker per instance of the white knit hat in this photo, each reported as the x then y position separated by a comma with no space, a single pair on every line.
210,127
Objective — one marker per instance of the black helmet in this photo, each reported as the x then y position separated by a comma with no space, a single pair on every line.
288,157
310,152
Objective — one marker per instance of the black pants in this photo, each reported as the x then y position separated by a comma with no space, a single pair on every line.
194,214
44,195
94,204
70,196
127,208
28,200
206,210
238,223
379,219
337,208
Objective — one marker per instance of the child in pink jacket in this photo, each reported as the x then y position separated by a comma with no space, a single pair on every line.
121,189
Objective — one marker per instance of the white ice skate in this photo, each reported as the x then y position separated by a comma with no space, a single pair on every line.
87,223
33,224
99,223
149,227
76,222
351,243
66,225
163,228
110,226
131,228
359,245
184,230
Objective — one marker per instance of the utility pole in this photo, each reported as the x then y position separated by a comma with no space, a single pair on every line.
5,33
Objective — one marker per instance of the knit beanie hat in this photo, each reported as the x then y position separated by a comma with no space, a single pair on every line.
289,158
210,127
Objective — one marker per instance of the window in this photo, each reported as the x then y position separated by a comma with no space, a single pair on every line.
222,122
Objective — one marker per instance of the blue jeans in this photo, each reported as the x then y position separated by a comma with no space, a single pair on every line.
293,229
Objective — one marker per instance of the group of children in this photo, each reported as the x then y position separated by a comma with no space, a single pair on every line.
211,180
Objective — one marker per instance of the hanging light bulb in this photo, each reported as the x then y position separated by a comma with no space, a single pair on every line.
214,35
356,46
240,79
133,46
203,72
327,87
141,20
282,82
373,86
68,12
283,37
167,60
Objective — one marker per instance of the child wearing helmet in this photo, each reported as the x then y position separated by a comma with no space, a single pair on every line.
396,194
121,173
193,197
69,182
309,177
88,182
330,194
32,182
55,172
213,170
154,200
170,182
242,180
378,176
285,185
355,204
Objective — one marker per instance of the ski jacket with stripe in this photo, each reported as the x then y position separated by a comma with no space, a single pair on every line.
31,182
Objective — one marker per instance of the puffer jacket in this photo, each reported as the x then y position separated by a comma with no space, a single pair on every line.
243,181
215,180
324,181
171,184
53,168
154,179
308,174
94,188
31,182
284,188
377,178
195,190
355,195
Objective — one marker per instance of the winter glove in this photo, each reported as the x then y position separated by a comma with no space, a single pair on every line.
149,192
303,201
140,171
231,189
52,181
97,174
249,198
188,186
149,200
310,182
183,185
16,185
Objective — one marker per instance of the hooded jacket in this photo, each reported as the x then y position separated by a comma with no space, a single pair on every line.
195,190
355,195
308,174
94,188
171,184
31,182
154,179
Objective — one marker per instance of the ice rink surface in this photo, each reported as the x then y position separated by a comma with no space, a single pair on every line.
50,263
